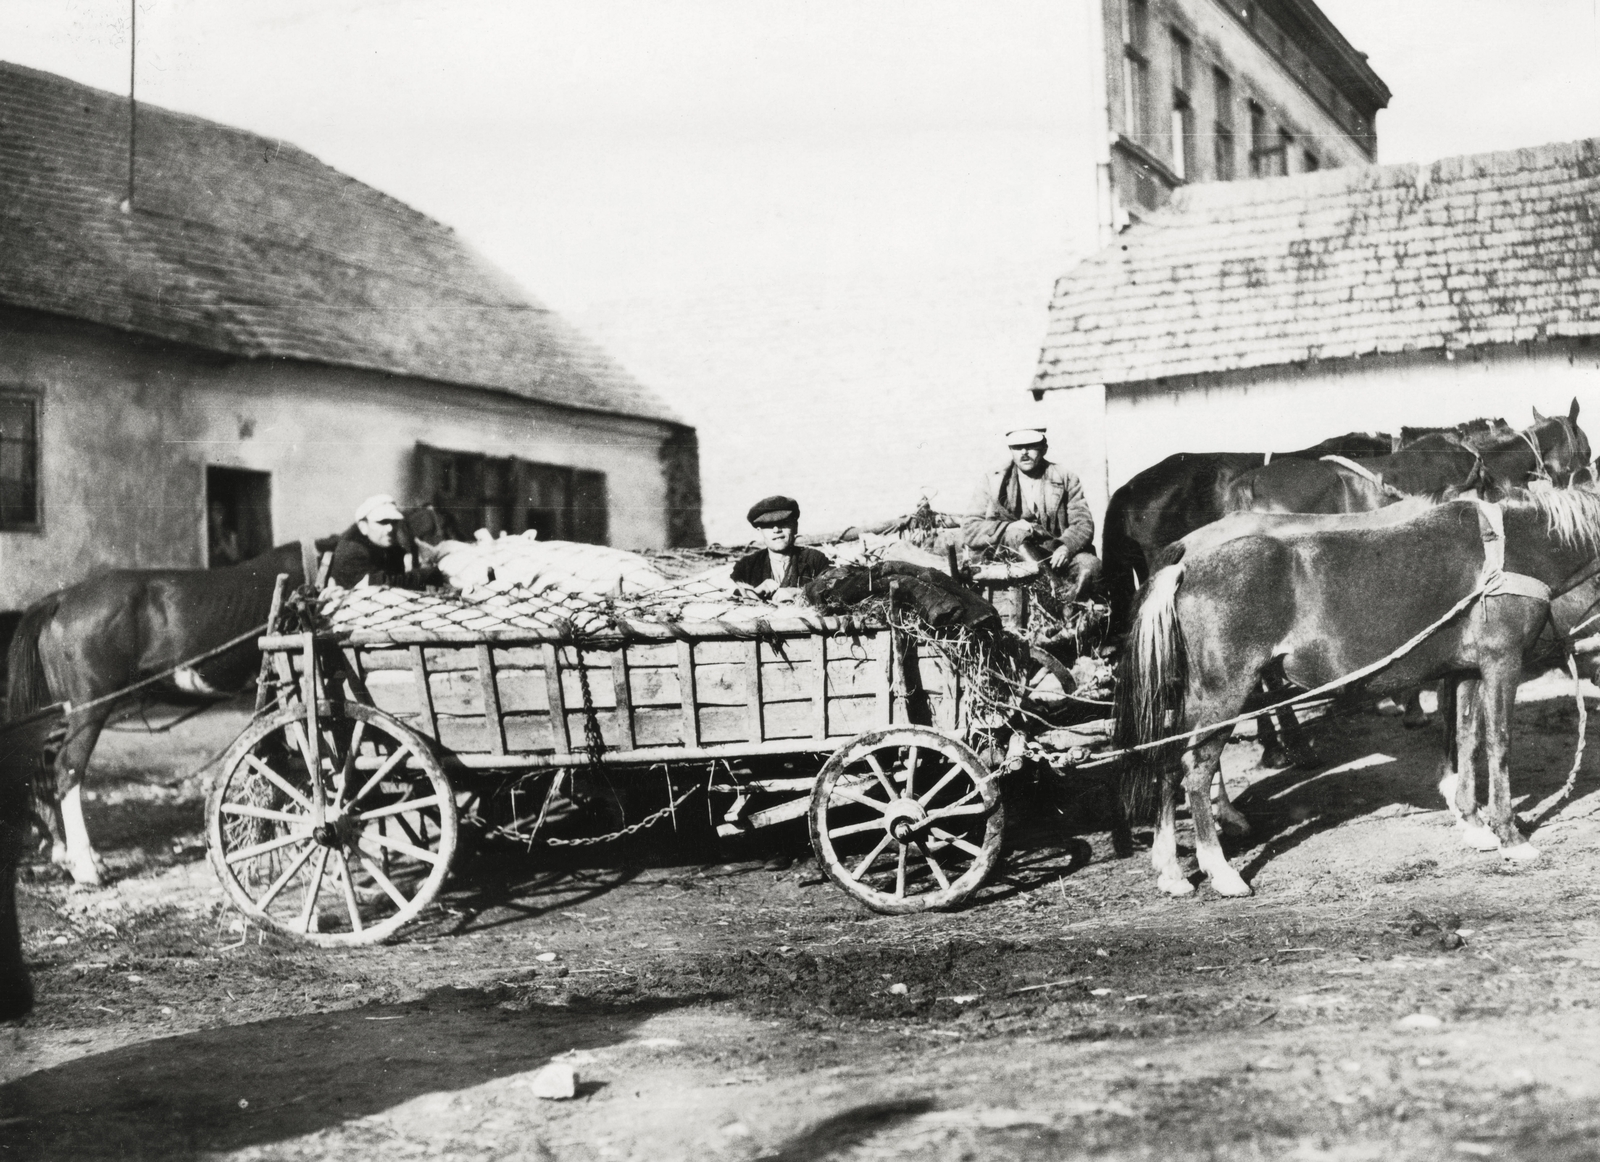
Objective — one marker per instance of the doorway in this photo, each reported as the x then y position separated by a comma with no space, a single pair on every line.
238,515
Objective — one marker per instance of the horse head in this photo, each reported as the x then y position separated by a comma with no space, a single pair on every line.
1560,449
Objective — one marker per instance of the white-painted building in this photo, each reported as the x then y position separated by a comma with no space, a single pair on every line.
1268,315
253,342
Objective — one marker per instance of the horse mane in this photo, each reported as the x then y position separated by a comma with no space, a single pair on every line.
1572,515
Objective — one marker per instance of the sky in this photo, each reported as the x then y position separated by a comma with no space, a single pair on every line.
825,231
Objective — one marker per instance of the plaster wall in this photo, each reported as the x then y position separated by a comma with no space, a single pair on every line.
128,426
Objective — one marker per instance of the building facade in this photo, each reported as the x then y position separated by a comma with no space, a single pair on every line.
238,349
1224,90
1269,315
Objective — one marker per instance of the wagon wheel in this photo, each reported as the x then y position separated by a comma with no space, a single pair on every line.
385,845
906,820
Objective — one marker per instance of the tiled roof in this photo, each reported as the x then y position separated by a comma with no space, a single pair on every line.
1470,251
249,246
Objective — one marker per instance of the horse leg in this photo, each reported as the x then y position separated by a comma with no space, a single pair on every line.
1460,787
72,766
1415,717
1273,755
1499,698
1229,817
1201,764
1164,848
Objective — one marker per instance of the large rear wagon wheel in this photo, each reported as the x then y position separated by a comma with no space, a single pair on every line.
907,820
382,851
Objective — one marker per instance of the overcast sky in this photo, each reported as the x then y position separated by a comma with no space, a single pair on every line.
797,221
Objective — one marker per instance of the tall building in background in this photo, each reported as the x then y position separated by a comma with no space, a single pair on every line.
1224,90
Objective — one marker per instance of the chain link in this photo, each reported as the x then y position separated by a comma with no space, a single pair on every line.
589,840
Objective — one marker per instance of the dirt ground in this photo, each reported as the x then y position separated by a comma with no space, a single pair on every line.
1387,993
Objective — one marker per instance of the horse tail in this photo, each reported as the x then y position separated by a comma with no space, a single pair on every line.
27,688
1123,560
1152,679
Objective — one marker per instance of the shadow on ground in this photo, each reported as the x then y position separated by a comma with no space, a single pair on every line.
248,1085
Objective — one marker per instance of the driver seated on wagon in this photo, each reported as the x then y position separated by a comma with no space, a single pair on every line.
374,550
1035,506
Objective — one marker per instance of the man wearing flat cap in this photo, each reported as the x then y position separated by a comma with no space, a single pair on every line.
371,550
1037,507
781,565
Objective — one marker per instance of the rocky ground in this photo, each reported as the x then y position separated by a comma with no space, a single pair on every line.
1387,993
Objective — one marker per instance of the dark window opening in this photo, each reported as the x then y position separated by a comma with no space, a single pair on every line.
1136,70
504,494
1222,136
1310,163
1182,107
1258,140
19,462
238,515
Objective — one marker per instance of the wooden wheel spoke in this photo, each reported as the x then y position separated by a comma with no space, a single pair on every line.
401,846
882,776
350,902
912,754
957,842
308,907
380,774
277,780
349,767
256,849
959,809
864,800
403,807
282,881
411,832
384,881
933,866
855,828
900,874
948,778
251,811
871,857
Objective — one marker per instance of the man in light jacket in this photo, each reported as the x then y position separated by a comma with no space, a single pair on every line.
1037,507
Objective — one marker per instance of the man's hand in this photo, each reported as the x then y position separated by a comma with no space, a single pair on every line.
1016,532
767,588
1061,558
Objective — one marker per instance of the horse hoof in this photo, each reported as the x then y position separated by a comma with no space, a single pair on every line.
1276,759
1229,884
1478,837
1176,887
1523,852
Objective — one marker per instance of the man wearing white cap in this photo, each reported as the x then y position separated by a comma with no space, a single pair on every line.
1034,503
370,550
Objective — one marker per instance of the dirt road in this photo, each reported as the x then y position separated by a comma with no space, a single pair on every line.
1386,994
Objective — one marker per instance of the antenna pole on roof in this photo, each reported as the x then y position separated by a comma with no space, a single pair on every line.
133,107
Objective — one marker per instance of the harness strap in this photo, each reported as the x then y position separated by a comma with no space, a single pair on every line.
1368,475
1496,581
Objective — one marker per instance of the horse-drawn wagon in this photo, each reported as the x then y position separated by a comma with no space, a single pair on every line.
336,813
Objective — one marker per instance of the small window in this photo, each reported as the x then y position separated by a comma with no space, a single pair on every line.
1259,147
19,463
503,494
1136,70
1285,148
1222,134
1182,106
1309,162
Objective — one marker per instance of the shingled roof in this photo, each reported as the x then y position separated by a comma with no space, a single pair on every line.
249,246
1470,251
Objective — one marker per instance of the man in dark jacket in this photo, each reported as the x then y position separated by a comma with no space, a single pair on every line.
782,566
370,550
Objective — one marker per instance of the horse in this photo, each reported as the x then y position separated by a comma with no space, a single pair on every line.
1168,500
82,645
1322,598
1552,449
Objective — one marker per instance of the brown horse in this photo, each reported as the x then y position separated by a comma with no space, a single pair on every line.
84,644
1321,599
1553,449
